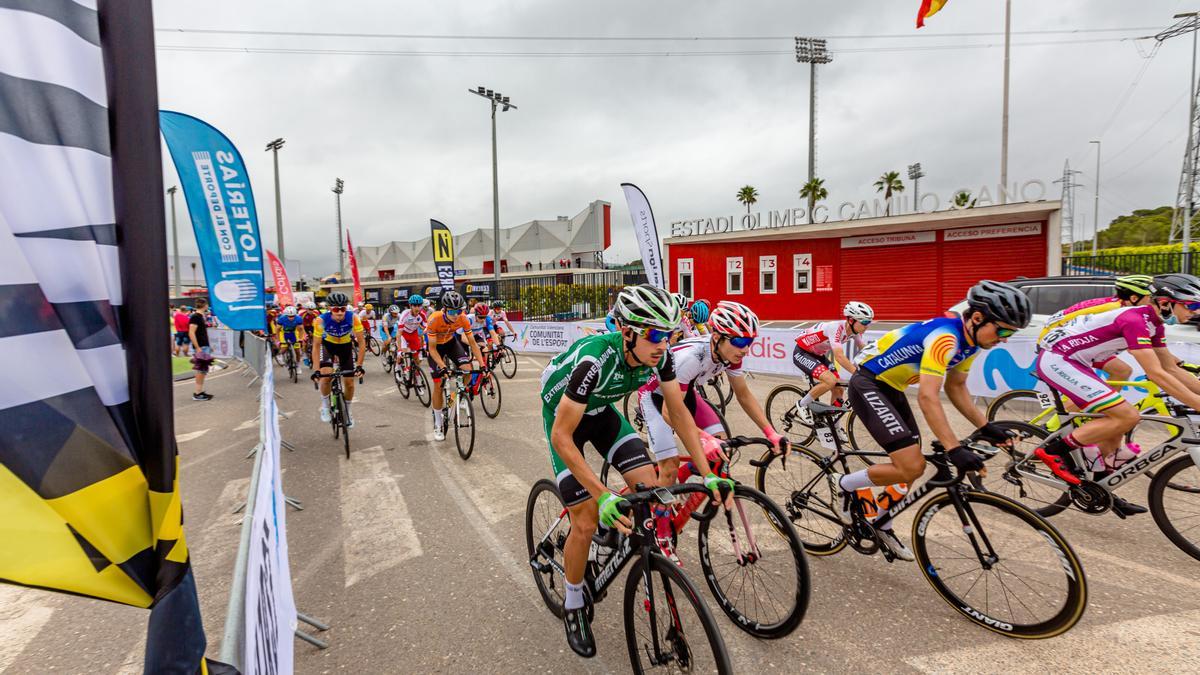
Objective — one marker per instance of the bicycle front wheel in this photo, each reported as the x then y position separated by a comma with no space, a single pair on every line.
754,564
420,384
781,411
464,425
546,529
508,362
1029,583
344,416
403,380
668,628
1175,504
807,495
1019,405
489,396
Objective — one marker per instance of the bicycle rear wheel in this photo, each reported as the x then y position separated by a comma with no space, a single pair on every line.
781,411
1175,503
546,529
373,345
464,425
1033,587
667,626
807,495
508,362
489,395
1018,478
765,589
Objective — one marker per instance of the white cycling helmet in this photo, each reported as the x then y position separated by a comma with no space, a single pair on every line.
290,310
310,305
859,311
733,319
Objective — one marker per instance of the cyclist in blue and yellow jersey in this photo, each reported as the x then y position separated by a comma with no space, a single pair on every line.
335,334
290,330
928,354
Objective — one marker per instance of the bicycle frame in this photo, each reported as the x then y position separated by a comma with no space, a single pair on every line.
1151,402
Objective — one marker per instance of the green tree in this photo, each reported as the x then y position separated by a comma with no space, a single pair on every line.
1143,227
963,200
889,183
747,195
814,191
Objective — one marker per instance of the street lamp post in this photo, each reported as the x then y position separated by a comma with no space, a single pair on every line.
915,175
1004,114
1096,201
501,101
274,147
812,51
339,186
175,241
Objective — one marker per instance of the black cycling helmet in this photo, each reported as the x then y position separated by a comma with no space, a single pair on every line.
337,299
452,300
1178,287
1000,302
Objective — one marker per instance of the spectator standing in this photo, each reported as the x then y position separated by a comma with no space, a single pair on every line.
182,341
203,358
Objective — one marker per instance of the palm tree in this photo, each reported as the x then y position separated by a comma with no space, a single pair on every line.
747,195
888,184
814,191
962,200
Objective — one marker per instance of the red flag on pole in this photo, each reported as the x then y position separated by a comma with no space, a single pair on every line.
358,294
928,9
283,286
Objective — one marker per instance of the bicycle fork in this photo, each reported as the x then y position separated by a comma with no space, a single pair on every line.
974,531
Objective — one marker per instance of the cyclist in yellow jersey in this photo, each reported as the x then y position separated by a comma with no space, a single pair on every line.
335,335
1131,291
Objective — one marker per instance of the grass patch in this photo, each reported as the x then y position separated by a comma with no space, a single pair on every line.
180,364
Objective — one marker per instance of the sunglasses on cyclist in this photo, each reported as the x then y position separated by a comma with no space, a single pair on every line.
655,335
337,309
453,312
1193,306
741,342
864,323
1003,332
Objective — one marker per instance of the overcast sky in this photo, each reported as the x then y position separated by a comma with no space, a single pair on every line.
411,143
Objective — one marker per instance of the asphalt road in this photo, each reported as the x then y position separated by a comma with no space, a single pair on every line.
417,560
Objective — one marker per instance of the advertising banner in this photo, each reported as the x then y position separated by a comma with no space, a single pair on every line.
358,293
283,286
646,233
217,190
443,254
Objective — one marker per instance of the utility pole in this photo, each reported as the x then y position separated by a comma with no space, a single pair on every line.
1004,115
503,102
1185,197
338,186
915,175
1096,201
175,241
1068,204
274,147
813,52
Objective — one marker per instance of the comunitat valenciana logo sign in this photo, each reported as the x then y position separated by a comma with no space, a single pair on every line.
877,207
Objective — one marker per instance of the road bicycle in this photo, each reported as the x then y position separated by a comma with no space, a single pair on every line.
487,390
1173,493
410,378
505,357
781,409
339,416
289,360
757,572
372,344
993,560
387,357
667,625
457,409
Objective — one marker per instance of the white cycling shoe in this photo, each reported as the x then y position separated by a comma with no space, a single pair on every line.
894,545
325,415
805,415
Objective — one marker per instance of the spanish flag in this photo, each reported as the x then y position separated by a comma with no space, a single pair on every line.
928,9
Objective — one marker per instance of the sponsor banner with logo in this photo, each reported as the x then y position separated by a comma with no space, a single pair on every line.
224,220
283,286
443,254
537,336
646,233
223,342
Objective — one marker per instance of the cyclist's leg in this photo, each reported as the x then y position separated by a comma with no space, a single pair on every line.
815,367
889,420
662,437
1089,394
438,375
580,504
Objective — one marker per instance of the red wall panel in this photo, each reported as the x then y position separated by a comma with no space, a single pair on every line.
898,282
964,263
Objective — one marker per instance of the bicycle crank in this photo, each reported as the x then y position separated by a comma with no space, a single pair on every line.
1091,498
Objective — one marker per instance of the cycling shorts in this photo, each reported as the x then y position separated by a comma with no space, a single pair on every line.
453,351
662,436
342,351
812,365
1079,383
884,410
610,434
412,341
290,337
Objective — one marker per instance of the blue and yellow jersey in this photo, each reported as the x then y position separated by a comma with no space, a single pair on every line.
337,332
288,324
932,347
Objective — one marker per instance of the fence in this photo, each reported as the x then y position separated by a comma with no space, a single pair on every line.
563,297
1139,263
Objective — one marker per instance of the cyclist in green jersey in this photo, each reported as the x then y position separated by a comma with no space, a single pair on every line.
579,388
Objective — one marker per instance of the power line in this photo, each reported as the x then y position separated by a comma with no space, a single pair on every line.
1150,127
601,54
638,38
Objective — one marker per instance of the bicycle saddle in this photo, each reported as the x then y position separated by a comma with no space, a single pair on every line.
818,408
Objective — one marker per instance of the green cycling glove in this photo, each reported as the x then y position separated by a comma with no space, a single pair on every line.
608,508
714,482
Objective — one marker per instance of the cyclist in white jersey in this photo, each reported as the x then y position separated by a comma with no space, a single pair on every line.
1066,362
412,324
816,346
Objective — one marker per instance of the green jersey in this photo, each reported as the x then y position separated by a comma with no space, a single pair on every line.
593,372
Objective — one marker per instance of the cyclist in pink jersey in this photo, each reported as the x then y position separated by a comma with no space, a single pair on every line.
1066,360
1129,291
816,347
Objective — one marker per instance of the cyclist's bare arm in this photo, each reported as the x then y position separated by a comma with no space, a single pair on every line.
843,361
930,400
361,336
1152,362
1171,365
956,391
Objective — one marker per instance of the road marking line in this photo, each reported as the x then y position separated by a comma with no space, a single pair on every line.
191,461
22,618
379,532
533,363
184,438
1164,643
248,424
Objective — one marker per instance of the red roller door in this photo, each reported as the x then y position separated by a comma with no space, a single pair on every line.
899,282
966,261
